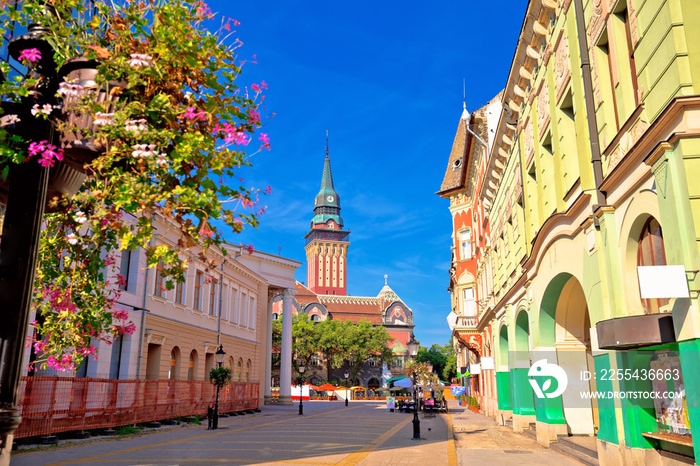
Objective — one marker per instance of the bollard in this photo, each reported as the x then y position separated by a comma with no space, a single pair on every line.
210,418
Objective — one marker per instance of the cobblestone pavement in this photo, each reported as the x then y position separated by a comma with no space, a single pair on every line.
329,433
479,440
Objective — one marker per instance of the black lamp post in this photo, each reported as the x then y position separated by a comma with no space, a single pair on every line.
413,345
220,353
347,374
301,388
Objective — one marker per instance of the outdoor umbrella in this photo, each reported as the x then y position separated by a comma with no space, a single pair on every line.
395,389
404,383
328,387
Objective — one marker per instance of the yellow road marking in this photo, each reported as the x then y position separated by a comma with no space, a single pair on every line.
362,453
451,448
310,442
219,432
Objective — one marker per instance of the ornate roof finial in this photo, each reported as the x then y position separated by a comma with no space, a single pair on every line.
326,143
465,113
385,277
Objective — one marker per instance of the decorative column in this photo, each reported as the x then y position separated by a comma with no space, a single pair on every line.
286,362
268,348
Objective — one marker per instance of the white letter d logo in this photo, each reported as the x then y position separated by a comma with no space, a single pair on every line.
542,368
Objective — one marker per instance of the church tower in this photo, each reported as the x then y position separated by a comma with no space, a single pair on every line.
327,243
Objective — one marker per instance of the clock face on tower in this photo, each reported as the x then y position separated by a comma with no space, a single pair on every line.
330,198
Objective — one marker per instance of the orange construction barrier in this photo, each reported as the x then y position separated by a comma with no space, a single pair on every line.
49,405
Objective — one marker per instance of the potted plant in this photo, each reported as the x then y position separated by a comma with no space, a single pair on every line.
166,141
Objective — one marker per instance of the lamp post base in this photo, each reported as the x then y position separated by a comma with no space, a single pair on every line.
416,427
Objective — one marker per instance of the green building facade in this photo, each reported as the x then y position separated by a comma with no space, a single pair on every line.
593,173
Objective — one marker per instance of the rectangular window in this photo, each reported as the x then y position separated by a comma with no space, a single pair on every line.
197,291
159,289
234,305
212,296
243,311
124,267
465,244
180,292
469,302
225,303
252,312
314,360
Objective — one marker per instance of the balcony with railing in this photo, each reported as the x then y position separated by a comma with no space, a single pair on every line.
467,321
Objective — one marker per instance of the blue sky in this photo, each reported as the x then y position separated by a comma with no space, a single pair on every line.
385,80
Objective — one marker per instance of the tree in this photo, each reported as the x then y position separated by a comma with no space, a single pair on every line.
450,369
433,356
357,343
305,340
442,358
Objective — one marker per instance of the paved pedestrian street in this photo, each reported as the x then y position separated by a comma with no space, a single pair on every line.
329,433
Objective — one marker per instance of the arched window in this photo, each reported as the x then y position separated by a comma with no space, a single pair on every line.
174,356
247,371
275,316
192,366
650,251
238,370
315,318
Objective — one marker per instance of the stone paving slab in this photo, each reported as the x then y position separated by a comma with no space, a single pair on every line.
327,434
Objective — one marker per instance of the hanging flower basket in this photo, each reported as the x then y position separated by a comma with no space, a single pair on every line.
77,140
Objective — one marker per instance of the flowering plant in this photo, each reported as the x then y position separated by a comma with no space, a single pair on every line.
171,125
220,376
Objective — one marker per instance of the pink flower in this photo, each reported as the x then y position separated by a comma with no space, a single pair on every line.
256,88
30,55
263,84
269,190
206,231
203,9
191,113
48,153
254,118
265,140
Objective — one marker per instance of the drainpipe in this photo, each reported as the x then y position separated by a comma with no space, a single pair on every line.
143,313
221,297
590,106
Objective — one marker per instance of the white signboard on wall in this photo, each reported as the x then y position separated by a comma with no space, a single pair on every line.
662,281
475,369
487,363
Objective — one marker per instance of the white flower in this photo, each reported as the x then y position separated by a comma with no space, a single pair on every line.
45,109
66,88
72,239
102,119
144,150
80,217
136,126
139,59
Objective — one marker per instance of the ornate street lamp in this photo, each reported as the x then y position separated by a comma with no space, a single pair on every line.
220,353
413,345
346,375
301,388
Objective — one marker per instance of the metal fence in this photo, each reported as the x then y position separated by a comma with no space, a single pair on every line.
50,405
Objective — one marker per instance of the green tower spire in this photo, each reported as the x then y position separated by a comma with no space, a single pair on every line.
327,201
